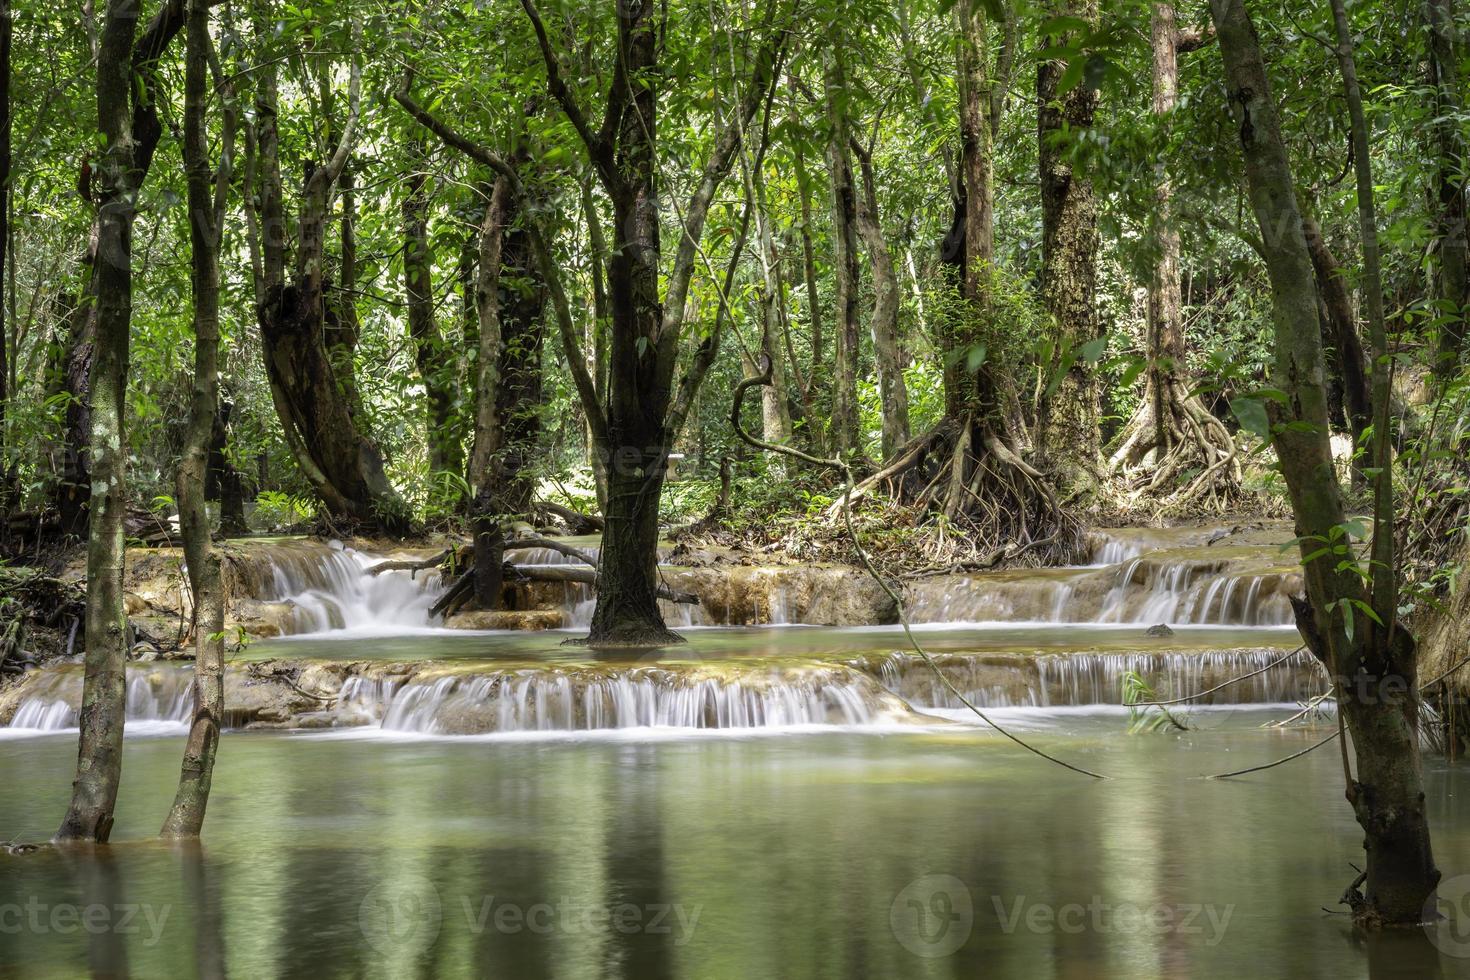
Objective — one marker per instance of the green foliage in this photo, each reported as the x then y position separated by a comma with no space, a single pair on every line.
1144,716
276,510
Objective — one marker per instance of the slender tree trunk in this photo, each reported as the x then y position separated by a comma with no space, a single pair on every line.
971,243
1372,662
813,301
775,416
469,331
227,479
1347,347
846,328
76,481
600,327
186,817
892,391
1171,434
1070,433
5,326
444,451
99,757
1166,350
1454,282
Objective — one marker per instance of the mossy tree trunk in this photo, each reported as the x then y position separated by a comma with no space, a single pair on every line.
893,394
1069,430
1370,657
445,454
99,756
1454,262
207,195
843,203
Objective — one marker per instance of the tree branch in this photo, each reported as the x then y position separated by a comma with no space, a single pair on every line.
599,146
714,172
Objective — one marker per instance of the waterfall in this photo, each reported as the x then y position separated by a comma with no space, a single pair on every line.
327,588
1069,679
159,698
1143,590
554,699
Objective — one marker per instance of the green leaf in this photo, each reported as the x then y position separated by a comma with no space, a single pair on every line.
1251,413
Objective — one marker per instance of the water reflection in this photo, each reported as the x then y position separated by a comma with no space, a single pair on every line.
824,856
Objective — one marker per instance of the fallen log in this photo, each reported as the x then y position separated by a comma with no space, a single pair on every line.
551,544
576,521
411,565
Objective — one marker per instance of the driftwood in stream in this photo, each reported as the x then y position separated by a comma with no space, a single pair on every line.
576,521
412,564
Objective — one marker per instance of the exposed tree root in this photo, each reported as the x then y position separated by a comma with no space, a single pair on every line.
969,472
1190,460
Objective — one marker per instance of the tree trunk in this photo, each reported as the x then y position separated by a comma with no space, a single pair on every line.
1370,660
635,428
76,482
1454,285
5,393
639,392
444,451
775,416
1069,431
813,302
1171,433
970,247
509,426
845,437
1347,347
297,324
892,391
99,756
597,247
229,484
1166,350
186,817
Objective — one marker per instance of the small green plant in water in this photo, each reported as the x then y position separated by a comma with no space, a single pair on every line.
1143,714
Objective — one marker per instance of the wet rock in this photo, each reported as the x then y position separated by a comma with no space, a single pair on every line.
507,619
1159,629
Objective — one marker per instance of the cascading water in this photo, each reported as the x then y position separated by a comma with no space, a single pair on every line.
592,699
1074,679
158,699
329,588
729,683
1144,590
